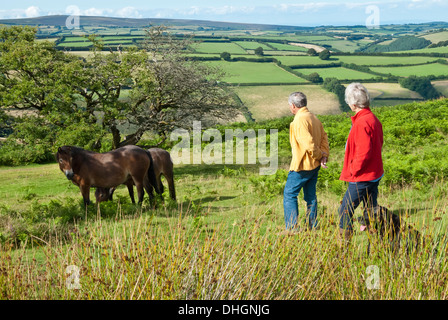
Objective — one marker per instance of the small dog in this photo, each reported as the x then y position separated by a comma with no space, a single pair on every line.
388,225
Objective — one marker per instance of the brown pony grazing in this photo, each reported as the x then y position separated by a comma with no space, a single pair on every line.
105,170
162,164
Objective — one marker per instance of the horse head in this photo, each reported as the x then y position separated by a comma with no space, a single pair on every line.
64,156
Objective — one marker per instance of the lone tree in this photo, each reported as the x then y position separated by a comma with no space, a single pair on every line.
324,55
106,100
312,52
225,56
259,51
315,78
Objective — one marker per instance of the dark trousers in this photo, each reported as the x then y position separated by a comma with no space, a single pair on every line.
357,192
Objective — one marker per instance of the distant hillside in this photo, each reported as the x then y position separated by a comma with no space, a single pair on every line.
60,20
401,44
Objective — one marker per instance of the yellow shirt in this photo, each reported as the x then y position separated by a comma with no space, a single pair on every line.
309,141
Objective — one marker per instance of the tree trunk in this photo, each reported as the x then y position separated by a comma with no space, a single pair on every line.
116,138
133,138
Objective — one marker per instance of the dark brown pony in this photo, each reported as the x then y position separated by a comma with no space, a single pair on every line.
105,170
161,164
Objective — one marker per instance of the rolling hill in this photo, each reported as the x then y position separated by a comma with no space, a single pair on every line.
59,20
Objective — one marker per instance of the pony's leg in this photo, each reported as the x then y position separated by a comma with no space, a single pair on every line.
170,179
130,186
140,191
149,189
160,187
111,193
85,191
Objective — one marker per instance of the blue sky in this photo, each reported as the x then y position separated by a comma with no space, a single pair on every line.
281,12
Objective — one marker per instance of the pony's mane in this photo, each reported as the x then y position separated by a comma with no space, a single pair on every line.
74,150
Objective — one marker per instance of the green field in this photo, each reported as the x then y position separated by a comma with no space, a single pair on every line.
249,72
338,72
377,60
302,60
435,69
216,47
75,44
287,47
251,45
341,45
427,50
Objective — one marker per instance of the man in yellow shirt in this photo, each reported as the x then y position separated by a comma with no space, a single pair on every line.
310,151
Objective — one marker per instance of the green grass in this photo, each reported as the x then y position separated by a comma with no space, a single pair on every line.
378,60
287,47
338,72
302,60
435,69
221,239
390,102
249,72
251,45
216,47
75,44
341,45
427,50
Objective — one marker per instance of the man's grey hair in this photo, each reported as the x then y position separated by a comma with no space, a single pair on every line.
298,99
357,94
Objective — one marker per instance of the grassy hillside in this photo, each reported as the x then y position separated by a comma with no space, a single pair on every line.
221,239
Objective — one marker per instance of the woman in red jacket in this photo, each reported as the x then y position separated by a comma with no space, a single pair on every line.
363,165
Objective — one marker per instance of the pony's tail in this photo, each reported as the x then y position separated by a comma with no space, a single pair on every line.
151,174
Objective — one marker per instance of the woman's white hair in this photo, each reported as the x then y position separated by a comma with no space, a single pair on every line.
357,94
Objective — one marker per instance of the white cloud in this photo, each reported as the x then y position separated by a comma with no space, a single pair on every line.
128,12
32,12
73,10
95,12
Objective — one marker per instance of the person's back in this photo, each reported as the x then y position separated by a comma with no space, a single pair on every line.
309,146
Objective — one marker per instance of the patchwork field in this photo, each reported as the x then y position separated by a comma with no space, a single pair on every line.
435,69
441,86
437,37
249,72
378,60
289,47
252,45
342,45
339,73
269,102
391,91
302,60
427,50
216,47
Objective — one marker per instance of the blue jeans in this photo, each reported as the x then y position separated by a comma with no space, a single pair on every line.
367,192
295,182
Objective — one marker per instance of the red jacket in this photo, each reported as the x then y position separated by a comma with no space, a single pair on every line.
362,161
